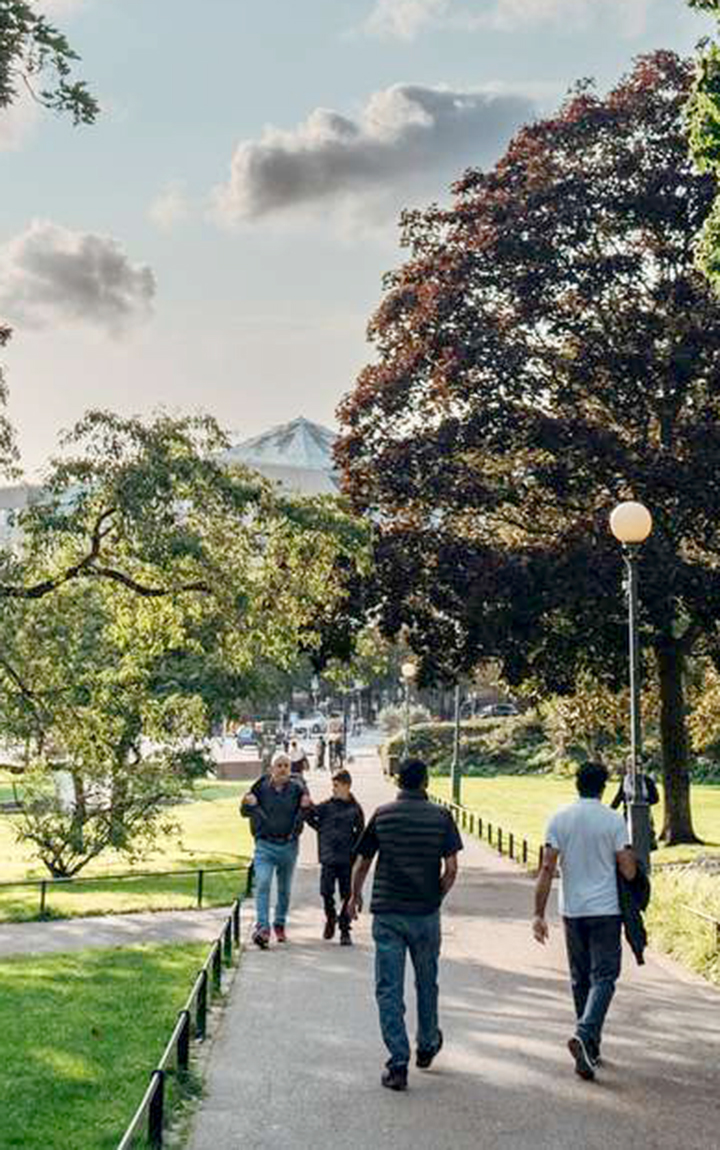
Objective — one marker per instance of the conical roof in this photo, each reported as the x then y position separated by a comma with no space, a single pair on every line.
297,455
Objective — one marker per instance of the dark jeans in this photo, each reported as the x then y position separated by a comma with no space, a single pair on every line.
594,953
395,935
330,874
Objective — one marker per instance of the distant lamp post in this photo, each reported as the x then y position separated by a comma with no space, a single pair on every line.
455,775
631,524
408,672
315,687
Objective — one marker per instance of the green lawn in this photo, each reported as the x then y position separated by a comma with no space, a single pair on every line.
81,1033
523,804
212,834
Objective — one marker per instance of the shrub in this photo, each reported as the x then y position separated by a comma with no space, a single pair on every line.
491,746
392,718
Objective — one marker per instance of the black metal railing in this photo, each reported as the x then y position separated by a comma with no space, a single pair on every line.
519,848
149,1120
44,885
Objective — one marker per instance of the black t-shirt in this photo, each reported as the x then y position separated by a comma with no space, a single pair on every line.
410,836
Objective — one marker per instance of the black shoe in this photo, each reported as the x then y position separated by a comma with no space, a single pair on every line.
424,1058
345,938
261,938
593,1053
329,931
395,1078
583,1063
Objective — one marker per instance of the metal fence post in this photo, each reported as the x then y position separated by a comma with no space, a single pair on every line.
236,921
227,942
525,851
500,840
217,966
480,827
249,880
43,891
200,881
155,1111
183,1044
540,857
202,1002
511,845
490,833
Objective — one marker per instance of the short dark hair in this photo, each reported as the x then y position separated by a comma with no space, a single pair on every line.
342,776
412,774
591,779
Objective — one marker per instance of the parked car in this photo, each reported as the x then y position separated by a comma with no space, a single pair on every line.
245,737
499,710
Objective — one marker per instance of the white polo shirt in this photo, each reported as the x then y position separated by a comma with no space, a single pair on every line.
588,836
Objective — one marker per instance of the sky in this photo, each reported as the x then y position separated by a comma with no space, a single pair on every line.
216,242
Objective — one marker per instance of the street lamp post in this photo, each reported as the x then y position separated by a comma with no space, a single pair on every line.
631,524
408,672
455,776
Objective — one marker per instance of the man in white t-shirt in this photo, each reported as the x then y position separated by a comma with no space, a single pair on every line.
591,843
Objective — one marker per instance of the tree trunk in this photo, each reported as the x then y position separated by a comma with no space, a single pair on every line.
677,827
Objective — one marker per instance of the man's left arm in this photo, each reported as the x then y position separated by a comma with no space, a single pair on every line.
543,887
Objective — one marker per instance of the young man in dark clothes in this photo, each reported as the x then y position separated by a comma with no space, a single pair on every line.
339,822
417,845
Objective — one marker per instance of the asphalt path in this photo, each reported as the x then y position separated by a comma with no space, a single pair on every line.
298,1056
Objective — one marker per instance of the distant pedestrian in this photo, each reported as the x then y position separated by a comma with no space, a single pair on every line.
591,843
417,845
644,789
275,805
298,758
339,822
320,753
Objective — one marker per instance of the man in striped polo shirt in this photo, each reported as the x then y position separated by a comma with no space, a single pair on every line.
417,845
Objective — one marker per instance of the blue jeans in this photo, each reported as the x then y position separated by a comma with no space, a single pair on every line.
595,955
394,935
273,859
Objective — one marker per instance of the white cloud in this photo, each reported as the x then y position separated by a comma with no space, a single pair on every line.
405,19
170,207
50,275
402,142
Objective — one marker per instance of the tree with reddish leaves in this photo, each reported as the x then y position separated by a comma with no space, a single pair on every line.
548,350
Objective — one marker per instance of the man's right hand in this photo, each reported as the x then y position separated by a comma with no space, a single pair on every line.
540,929
354,906
250,801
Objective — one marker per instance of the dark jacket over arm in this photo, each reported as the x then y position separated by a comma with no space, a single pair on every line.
339,825
634,896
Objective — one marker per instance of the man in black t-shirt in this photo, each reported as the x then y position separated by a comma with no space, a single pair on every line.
417,845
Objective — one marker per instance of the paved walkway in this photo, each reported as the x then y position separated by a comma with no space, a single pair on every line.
111,930
297,1059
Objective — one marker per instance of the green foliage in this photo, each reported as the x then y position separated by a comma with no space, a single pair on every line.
151,584
34,52
673,929
488,747
547,350
86,1029
392,718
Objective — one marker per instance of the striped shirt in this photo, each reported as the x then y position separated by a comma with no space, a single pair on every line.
411,836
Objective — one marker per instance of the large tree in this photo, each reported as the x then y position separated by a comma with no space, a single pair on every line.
548,350
150,583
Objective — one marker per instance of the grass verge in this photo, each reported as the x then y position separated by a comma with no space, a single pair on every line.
81,1033
211,834
524,804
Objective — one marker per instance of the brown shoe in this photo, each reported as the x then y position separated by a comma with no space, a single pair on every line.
280,935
